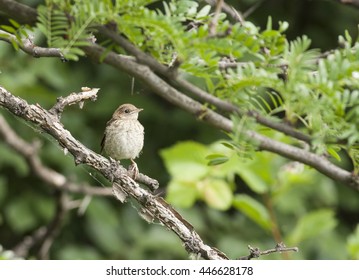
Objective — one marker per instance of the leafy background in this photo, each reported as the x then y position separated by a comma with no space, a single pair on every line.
244,201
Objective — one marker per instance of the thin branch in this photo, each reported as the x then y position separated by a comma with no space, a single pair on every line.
153,205
55,225
229,10
256,5
255,253
28,46
22,249
214,22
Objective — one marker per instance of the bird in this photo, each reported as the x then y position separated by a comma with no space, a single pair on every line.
124,136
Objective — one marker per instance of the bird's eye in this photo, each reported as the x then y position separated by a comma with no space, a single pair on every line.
127,111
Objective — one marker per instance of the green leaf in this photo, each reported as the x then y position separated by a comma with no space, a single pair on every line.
204,11
25,212
8,28
216,159
78,252
333,153
186,161
253,210
10,158
312,225
283,26
14,23
252,179
181,194
269,23
102,225
19,215
216,193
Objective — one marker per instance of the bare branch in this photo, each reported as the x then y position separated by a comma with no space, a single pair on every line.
214,22
22,249
229,10
255,253
27,46
74,98
153,206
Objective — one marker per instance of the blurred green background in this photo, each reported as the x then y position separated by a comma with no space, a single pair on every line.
307,209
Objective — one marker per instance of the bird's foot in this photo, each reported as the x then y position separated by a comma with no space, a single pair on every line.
133,169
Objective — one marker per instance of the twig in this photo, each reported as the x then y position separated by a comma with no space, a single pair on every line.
233,13
153,206
28,47
252,9
53,228
22,249
255,253
214,22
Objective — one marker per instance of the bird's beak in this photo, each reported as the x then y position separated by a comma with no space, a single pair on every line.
138,110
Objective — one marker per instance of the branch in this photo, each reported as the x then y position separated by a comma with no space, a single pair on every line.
234,14
19,12
166,91
152,206
28,46
54,227
256,253
214,22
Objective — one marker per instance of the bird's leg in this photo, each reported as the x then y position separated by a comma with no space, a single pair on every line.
133,169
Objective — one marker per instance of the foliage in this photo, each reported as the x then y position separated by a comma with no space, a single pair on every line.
270,68
258,194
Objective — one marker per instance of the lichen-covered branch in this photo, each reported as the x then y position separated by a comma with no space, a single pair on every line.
153,206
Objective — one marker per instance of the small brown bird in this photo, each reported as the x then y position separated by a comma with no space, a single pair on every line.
124,135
